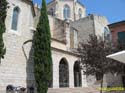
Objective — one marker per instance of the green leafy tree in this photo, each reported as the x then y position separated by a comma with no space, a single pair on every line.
93,57
42,52
3,7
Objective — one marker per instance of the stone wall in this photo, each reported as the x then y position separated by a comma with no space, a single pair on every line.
100,22
92,24
85,27
14,68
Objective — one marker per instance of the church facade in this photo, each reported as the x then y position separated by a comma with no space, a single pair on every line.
69,25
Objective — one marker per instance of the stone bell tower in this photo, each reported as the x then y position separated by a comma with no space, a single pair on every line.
66,9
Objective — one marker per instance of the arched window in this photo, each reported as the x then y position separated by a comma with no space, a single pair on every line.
15,18
80,13
77,75
52,11
98,76
107,34
63,73
66,12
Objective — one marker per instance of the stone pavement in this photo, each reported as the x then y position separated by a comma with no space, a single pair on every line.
74,90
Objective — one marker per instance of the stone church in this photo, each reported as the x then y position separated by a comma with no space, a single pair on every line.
69,25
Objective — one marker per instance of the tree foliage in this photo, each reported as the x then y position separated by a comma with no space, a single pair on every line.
42,51
3,7
93,56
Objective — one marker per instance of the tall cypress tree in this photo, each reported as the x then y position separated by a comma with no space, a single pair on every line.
42,51
3,7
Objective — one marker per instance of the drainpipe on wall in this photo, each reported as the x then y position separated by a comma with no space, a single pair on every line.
74,2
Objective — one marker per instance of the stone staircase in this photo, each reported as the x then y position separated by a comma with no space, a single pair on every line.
73,90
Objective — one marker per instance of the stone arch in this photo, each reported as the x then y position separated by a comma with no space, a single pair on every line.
63,73
77,75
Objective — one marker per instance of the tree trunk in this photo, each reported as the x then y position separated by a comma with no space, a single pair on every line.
101,85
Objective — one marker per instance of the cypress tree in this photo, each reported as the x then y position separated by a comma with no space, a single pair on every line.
42,51
3,7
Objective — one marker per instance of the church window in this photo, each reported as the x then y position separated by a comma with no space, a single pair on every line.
80,13
66,12
52,11
72,39
107,34
15,18
98,76
75,38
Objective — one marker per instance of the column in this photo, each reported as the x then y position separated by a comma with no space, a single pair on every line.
71,75
84,80
55,74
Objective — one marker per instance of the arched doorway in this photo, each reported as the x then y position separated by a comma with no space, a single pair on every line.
63,73
77,75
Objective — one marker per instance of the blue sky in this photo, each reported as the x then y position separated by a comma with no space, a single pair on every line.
114,10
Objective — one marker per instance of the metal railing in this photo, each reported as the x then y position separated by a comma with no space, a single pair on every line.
64,84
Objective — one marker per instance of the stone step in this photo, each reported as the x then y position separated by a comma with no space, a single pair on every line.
66,90
73,90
